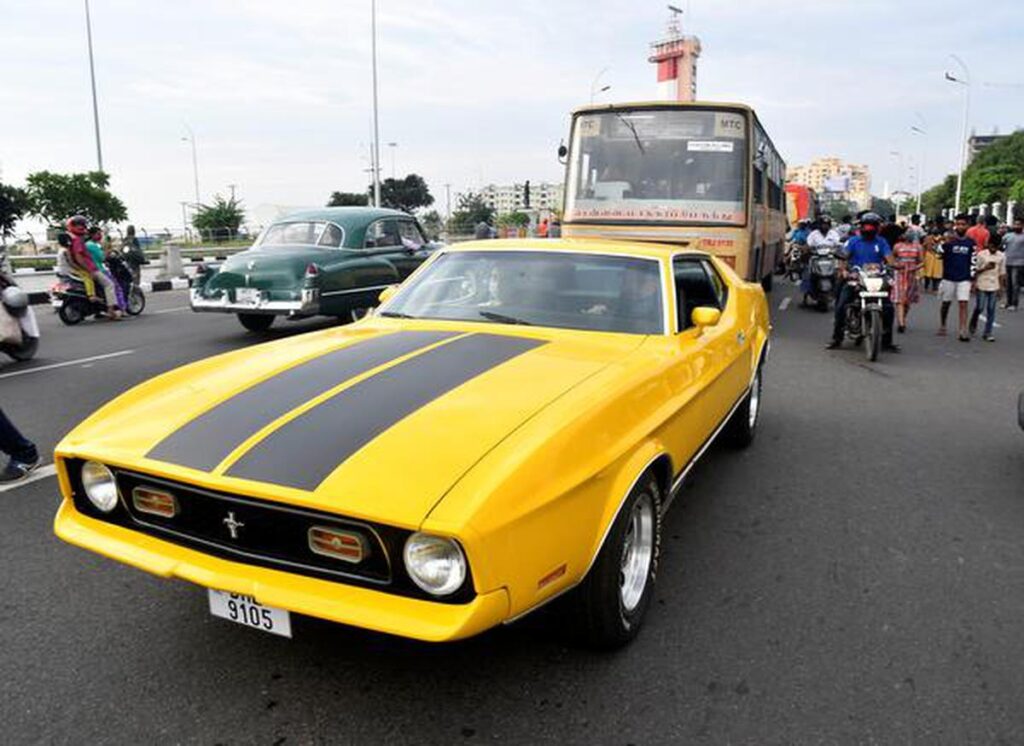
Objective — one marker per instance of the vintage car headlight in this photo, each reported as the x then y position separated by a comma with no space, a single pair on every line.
100,488
435,564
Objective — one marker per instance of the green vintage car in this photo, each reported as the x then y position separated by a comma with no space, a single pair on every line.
328,262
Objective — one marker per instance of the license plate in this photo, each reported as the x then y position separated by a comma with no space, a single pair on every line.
247,295
247,611
56,303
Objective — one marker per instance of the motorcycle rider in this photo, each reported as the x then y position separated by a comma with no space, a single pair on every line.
78,227
823,235
799,234
867,247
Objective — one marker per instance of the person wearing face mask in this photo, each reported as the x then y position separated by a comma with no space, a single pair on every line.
1013,250
867,247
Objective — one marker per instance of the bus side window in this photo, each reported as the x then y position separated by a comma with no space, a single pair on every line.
758,186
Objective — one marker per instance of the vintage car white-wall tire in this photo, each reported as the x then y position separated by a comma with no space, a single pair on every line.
610,609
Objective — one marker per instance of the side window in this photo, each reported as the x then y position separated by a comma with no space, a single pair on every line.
721,289
331,237
383,234
693,288
412,237
758,186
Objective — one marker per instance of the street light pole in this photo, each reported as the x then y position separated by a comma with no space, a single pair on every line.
920,165
393,146
594,90
966,83
92,80
376,132
195,162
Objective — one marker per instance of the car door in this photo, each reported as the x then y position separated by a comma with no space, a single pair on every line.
415,247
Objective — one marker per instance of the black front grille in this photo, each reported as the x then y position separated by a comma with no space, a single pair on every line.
267,534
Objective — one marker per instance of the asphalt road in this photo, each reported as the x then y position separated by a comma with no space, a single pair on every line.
856,576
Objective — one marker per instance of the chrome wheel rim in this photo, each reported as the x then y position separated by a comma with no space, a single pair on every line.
637,553
358,314
755,401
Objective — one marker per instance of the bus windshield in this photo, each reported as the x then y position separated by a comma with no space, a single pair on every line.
658,165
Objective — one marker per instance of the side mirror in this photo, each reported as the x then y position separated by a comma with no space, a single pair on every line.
387,293
704,316
563,152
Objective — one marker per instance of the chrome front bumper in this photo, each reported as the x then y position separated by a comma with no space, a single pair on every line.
309,305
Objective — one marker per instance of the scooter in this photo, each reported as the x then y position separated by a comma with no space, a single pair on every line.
15,302
819,284
73,305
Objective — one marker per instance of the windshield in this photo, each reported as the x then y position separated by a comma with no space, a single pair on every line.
565,290
665,165
303,233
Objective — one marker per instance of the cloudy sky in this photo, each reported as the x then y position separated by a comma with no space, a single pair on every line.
278,91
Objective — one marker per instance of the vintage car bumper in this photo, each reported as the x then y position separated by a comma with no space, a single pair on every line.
336,602
308,305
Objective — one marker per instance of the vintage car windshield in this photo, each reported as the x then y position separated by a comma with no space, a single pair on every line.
556,289
658,165
303,233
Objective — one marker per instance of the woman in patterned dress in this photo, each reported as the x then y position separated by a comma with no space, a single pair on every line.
909,256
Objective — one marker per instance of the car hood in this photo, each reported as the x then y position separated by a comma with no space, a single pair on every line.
268,268
376,421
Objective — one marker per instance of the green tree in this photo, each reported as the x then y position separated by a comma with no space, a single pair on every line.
432,224
220,220
939,197
836,209
348,199
985,184
56,197
1017,195
514,220
14,205
472,209
407,194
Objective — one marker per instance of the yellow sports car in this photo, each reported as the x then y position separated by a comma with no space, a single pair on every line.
511,425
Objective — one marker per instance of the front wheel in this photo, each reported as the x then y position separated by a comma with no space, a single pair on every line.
358,314
255,322
136,302
71,312
873,335
613,598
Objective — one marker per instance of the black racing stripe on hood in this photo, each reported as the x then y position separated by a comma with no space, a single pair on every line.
304,451
209,438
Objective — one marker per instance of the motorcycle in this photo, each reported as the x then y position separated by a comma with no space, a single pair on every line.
15,302
73,305
794,262
871,285
820,280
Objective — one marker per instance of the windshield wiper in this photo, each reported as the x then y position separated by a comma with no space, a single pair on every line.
395,315
632,128
502,318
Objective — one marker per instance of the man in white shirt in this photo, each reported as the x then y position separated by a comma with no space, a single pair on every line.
824,235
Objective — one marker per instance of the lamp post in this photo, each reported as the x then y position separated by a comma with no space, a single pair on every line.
92,80
914,129
376,131
393,146
899,178
195,162
966,83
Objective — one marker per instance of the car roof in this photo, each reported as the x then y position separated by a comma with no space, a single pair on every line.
580,245
348,218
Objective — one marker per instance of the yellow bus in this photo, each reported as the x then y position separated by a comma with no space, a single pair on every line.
697,174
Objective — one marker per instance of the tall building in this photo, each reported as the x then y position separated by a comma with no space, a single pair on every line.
977,143
834,179
544,196
676,58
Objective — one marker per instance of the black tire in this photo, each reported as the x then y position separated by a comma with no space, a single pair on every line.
767,282
25,351
742,426
72,312
136,302
605,620
256,322
358,314
823,304
873,336
1020,410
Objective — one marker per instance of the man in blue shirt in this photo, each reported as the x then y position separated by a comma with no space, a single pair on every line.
957,270
867,247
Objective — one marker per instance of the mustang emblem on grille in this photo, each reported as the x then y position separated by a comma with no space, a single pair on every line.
233,524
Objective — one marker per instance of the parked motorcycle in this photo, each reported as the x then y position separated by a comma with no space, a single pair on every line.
820,279
871,285
15,301
73,305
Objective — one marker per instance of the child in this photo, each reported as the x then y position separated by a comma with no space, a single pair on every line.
988,281
95,249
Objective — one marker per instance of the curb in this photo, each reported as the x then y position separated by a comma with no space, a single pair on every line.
157,286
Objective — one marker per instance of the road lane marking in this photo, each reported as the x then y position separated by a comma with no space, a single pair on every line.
53,366
785,303
170,310
41,473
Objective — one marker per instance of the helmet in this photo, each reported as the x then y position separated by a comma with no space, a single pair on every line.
871,217
77,224
15,300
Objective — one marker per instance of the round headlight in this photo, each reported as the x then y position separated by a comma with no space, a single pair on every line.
99,486
435,564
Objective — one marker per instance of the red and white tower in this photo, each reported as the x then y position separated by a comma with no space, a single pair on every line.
676,58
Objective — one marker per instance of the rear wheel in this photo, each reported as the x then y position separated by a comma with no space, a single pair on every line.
72,312
739,433
357,314
256,322
873,335
613,598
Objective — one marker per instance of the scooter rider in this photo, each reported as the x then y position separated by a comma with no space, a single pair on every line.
823,235
865,248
